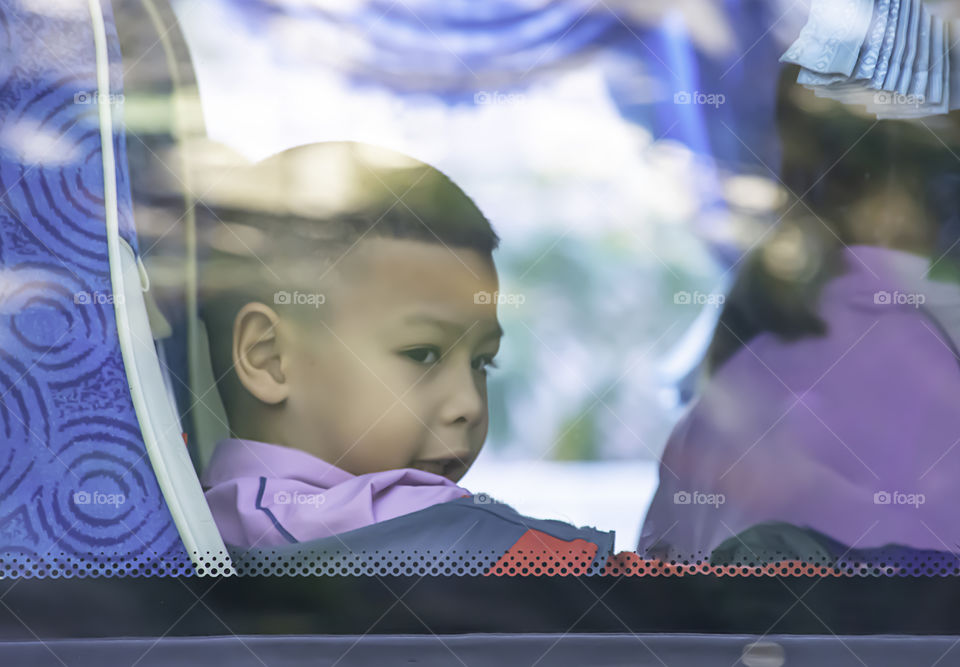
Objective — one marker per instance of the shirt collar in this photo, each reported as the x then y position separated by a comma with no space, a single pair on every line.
236,457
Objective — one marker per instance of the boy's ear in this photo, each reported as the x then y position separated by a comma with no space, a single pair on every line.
257,355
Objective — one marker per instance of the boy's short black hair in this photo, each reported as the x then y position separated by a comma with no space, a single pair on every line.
300,211
322,198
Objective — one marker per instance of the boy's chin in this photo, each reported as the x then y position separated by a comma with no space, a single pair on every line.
457,476
451,469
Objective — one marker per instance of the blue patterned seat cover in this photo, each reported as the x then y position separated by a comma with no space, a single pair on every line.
75,479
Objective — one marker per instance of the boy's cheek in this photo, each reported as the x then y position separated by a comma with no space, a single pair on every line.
385,372
378,454
384,436
480,436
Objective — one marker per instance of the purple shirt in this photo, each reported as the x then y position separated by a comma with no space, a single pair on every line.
264,495
855,433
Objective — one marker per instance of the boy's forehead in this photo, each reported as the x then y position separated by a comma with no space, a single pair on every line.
404,277
391,264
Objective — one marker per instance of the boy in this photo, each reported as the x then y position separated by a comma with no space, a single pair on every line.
350,339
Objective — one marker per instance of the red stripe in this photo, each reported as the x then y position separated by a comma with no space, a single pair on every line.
539,553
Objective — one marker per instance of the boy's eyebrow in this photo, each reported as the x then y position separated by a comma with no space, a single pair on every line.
450,325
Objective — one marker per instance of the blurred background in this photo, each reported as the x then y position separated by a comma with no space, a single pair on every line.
624,151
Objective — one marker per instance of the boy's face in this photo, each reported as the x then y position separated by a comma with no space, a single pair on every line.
391,371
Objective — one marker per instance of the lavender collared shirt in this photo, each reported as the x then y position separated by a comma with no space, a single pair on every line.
264,495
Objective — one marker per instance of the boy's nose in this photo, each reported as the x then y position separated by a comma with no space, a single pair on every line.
464,402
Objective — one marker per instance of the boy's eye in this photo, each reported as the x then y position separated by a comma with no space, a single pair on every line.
483,363
423,355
